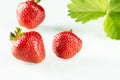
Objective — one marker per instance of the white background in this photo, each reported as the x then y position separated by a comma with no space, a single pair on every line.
99,58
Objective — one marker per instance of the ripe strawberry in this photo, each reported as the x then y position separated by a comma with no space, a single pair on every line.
30,14
28,46
66,44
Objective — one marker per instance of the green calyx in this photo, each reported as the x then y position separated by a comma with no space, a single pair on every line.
71,30
37,1
17,33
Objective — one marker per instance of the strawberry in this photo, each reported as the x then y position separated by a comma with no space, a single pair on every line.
66,44
28,46
30,14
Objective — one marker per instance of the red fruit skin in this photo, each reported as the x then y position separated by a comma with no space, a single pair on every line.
66,44
30,14
29,47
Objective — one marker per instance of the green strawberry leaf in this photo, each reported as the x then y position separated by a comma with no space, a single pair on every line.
86,10
112,21
112,25
114,6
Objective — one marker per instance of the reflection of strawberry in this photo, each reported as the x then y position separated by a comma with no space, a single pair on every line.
66,44
30,14
28,46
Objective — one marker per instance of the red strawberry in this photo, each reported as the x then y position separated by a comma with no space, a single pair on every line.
66,44
30,14
28,46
